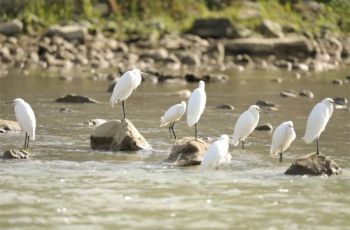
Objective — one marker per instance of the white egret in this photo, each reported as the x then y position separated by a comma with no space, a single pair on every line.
317,121
282,138
26,118
246,124
173,114
196,106
217,153
129,81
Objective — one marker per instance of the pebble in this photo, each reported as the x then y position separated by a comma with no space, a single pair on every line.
264,127
337,82
225,106
306,93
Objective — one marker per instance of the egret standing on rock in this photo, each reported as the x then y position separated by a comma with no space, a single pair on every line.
129,81
26,118
173,114
196,106
283,136
317,121
246,124
217,153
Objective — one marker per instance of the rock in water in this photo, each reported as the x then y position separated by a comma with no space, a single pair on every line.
313,164
16,154
8,125
116,135
187,152
72,98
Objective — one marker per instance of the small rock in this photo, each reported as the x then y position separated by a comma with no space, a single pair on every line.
265,103
192,77
313,164
277,80
72,98
306,93
271,29
96,122
337,82
340,100
11,28
16,154
225,106
288,93
116,135
8,125
66,110
187,152
215,78
69,32
264,127
348,77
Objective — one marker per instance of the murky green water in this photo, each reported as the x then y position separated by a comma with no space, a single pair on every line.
66,185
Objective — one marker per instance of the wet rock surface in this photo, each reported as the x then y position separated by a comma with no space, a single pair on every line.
116,135
187,152
313,164
264,127
16,154
288,93
73,98
8,125
306,93
225,107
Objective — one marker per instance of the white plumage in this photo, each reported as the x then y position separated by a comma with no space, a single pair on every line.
246,124
26,119
217,153
196,106
174,113
282,138
318,119
129,81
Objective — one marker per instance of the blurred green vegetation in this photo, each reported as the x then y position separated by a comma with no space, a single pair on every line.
147,16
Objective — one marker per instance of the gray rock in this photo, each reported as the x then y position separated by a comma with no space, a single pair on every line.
340,100
265,103
225,106
69,32
212,27
288,93
66,110
11,28
313,164
337,82
187,152
8,125
116,135
16,154
277,80
264,127
271,29
306,93
215,77
294,46
72,98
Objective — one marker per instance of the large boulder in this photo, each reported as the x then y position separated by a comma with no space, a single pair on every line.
11,28
294,46
313,164
271,29
16,154
8,125
116,135
72,98
69,32
187,152
212,27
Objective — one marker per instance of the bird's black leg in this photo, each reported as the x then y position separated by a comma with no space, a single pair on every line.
195,131
171,137
28,141
281,157
25,141
317,152
243,145
172,128
123,110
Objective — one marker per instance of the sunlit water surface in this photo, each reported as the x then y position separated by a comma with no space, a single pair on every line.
66,185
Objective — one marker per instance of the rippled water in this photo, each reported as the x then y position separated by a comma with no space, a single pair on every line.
66,185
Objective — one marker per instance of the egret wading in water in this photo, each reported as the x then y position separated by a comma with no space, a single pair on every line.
246,124
128,82
196,106
173,114
26,118
217,153
282,138
317,121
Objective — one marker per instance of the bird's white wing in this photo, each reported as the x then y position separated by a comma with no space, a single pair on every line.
26,118
290,137
278,138
244,126
174,113
136,79
211,158
316,122
122,89
196,106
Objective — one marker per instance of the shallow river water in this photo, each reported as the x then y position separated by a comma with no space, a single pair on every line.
66,185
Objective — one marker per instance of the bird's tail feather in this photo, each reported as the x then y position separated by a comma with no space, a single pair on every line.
162,122
308,139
